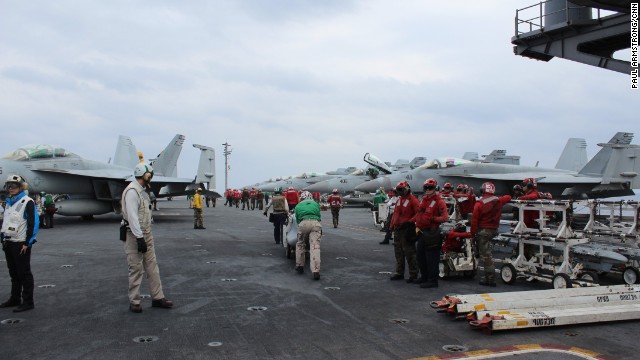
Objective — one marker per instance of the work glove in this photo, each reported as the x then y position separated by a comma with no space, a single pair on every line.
264,213
142,245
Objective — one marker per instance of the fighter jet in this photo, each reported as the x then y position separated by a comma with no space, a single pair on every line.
611,172
93,187
347,184
344,183
297,182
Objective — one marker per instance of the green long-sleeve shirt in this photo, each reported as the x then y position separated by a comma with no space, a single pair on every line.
307,209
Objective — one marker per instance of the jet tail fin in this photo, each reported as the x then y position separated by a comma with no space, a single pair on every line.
166,163
620,176
501,157
599,163
574,155
126,153
206,166
471,156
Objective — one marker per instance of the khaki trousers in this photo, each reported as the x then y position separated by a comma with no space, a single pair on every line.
311,231
140,263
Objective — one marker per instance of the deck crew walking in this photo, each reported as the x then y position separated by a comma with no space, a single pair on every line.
335,202
279,215
139,244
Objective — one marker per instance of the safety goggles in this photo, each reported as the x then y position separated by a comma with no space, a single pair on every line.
430,187
10,186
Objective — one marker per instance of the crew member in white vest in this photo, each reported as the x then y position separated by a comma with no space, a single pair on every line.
18,234
141,254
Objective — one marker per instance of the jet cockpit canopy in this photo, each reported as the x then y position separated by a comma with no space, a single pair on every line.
444,162
307,175
377,163
37,151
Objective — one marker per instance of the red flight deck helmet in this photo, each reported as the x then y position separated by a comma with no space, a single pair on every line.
488,188
429,184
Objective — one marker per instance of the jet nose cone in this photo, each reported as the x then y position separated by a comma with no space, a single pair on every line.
369,186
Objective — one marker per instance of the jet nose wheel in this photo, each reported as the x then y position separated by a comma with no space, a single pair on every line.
630,275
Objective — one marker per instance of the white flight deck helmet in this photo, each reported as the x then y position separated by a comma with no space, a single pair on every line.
16,179
305,195
142,169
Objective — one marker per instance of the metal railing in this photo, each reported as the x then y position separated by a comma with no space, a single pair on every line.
537,22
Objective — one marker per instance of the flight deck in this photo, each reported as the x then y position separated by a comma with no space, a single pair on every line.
237,296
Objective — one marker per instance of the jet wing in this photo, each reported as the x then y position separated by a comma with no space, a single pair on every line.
114,174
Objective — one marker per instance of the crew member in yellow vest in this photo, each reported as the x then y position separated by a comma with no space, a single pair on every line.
198,220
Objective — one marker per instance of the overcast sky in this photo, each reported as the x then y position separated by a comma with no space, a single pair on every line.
294,85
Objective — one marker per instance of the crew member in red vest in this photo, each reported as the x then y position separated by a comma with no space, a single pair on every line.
432,212
335,202
292,198
484,227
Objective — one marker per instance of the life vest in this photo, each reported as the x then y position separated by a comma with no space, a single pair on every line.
15,225
278,203
144,206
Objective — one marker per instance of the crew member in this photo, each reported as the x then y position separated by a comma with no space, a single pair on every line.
139,244
391,204
335,201
292,197
228,195
379,198
484,227
198,219
517,191
455,240
253,197
466,201
245,198
279,215
432,212
18,234
309,230
447,190
404,232
237,194
49,210
530,189
260,199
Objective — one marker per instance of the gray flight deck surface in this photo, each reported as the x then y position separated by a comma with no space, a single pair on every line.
353,312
